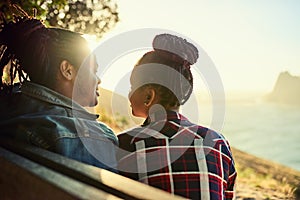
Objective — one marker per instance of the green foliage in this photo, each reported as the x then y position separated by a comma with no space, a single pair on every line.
121,121
104,117
117,122
5,77
42,7
90,17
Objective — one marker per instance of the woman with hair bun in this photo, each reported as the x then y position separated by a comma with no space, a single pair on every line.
45,107
168,151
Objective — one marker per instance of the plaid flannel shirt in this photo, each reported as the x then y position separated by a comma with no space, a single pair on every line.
177,156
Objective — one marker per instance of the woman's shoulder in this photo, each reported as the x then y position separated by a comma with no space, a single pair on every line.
216,140
130,132
130,136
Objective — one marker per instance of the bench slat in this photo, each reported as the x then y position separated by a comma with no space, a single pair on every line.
20,175
107,181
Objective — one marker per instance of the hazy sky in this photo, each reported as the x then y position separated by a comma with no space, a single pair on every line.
249,41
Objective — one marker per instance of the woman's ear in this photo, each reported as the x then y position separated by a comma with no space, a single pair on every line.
67,70
150,97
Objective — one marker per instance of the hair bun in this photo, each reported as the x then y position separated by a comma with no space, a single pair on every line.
176,45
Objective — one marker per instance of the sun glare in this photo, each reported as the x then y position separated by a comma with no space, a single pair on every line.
92,41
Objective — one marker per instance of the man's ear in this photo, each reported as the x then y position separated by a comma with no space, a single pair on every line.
67,70
150,96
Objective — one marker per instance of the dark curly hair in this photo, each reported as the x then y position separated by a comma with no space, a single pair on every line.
33,52
174,52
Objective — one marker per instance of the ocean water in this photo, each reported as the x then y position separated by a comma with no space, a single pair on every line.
267,130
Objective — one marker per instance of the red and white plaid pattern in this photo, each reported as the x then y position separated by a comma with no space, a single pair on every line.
177,156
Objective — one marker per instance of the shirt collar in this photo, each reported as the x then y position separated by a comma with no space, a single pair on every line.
164,116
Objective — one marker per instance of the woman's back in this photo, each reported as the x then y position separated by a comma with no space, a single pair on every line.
180,157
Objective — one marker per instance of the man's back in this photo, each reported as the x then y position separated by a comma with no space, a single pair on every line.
42,117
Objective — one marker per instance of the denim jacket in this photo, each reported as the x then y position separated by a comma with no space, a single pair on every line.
40,116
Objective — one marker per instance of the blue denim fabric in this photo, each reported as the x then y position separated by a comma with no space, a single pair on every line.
42,117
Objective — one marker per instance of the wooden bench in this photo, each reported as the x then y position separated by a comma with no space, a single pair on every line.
29,172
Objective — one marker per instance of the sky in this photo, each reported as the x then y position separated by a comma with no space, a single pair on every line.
249,41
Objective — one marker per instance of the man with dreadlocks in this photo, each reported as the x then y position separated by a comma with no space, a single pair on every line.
46,107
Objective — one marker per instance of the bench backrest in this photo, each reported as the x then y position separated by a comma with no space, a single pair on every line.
29,172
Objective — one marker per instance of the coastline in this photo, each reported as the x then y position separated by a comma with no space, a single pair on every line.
259,178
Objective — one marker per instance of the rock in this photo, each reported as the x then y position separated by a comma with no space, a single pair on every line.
286,90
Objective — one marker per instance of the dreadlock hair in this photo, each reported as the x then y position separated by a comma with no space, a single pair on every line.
35,52
178,54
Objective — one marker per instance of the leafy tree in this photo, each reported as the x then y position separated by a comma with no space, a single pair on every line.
90,16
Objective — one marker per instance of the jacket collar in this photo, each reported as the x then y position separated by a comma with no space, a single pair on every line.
50,96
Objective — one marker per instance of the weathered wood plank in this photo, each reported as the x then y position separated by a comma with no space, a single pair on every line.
21,178
104,180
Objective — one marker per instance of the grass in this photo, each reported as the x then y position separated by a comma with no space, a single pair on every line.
251,184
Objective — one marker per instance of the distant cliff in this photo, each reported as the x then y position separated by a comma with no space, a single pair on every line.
286,89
